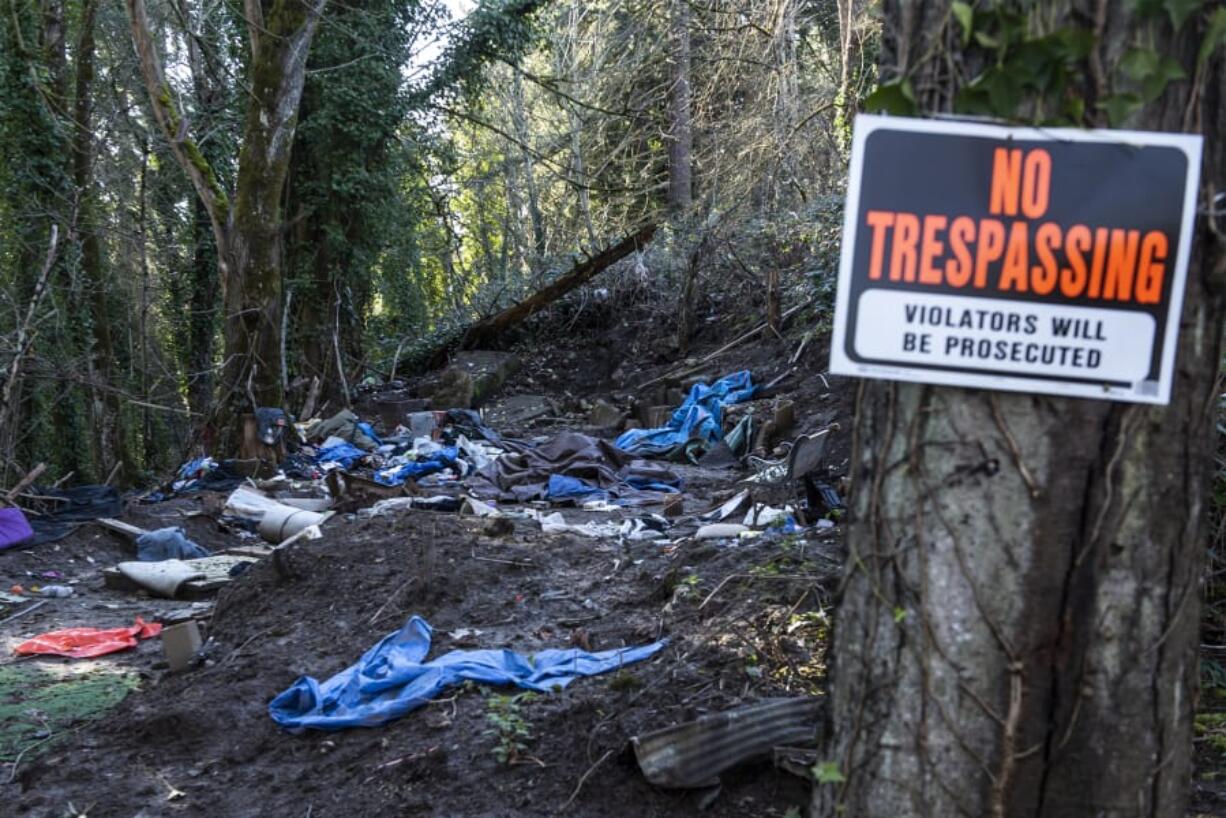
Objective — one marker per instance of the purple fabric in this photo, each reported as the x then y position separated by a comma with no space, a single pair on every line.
14,528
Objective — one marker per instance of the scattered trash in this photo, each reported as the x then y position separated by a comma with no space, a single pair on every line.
73,506
764,516
737,503
698,419
54,591
14,528
576,466
391,679
346,426
282,522
84,643
719,531
174,578
180,643
694,754
167,544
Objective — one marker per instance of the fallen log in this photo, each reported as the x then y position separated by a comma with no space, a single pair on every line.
488,329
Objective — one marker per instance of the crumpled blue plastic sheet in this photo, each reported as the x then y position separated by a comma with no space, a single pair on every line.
442,459
391,679
562,487
700,417
344,453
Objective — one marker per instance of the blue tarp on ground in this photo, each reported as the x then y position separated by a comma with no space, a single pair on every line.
391,679
344,453
442,459
700,417
562,487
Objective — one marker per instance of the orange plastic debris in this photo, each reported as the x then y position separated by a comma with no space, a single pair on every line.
82,643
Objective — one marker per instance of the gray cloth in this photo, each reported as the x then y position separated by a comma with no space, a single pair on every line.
523,473
344,424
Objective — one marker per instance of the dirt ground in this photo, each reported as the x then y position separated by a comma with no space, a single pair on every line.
746,621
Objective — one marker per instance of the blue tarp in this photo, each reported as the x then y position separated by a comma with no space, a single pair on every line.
391,679
562,487
346,454
700,417
436,462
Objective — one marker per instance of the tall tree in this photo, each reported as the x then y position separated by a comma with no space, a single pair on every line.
1017,629
680,134
247,231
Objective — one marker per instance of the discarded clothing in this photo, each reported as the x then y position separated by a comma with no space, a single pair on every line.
468,423
444,458
555,523
391,679
699,418
78,505
201,473
167,544
345,425
526,472
14,528
83,643
271,423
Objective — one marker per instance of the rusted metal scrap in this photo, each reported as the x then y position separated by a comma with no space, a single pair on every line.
692,755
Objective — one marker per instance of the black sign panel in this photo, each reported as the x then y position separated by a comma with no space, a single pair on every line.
1030,260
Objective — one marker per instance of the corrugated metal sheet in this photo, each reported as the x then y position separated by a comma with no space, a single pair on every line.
694,754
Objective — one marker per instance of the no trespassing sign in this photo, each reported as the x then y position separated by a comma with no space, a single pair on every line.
1023,259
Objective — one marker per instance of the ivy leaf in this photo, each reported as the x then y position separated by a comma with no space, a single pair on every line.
1151,70
895,97
966,18
828,772
1073,43
900,614
986,40
1215,35
1181,10
1120,106
1139,63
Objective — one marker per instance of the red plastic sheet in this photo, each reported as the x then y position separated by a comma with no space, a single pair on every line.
82,643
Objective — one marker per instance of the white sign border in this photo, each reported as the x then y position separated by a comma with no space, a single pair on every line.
866,124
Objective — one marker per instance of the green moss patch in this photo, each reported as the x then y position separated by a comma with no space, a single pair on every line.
39,703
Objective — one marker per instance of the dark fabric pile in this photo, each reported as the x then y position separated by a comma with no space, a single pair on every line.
524,472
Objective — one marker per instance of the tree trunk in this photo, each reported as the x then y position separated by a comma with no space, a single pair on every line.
105,406
1017,629
680,137
523,134
249,233
253,289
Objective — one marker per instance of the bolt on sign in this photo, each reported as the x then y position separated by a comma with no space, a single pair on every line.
1023,259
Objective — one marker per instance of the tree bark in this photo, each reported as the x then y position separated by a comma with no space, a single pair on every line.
249,232
105,408
1016,633
680,136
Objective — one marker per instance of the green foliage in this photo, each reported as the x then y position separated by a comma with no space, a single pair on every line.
38,704
828,772
511,731
1179,11
1215,35
1023,68
895,97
